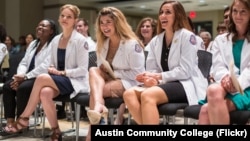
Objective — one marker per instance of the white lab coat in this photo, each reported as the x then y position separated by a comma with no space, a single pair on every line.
3,52
76,61
41,60
222,55
92,44
128,61
182,64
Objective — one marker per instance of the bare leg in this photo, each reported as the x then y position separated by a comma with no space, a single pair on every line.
150,98
203,115
96,89
47,94
132,100
217,108
41,82
96,101
119,116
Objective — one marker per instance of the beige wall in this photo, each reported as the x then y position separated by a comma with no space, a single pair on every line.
22,16
214,16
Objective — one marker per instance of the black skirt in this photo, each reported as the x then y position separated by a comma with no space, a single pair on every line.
63,84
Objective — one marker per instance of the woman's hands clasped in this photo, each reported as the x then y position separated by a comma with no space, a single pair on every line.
227,84
149,79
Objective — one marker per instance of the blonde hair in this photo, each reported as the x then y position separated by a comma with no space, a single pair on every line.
73,8
122,28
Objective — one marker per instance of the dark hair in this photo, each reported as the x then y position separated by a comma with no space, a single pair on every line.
3,33
53,26
181,20
86,23
33,36
221,25
226,9
13,42
191,24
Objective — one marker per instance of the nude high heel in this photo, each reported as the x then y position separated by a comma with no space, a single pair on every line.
95,117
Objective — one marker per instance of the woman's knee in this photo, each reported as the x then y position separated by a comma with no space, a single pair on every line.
147,97
204,110
215,93
128,95
46,93
43,77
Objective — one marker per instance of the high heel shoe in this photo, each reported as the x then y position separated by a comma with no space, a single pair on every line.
56,134
95,117
18,126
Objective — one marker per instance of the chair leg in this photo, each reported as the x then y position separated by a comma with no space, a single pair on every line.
77,114
185,121
2,111
111,115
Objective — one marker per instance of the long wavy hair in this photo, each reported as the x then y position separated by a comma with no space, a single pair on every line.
122,28
181,20
231,25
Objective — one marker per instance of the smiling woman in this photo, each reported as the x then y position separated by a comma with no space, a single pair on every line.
120,47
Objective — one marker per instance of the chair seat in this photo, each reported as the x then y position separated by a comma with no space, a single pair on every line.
171,108
192,111
78,97
113,102
236,117
83,99
239,117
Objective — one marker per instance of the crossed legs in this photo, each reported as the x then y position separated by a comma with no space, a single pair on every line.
217,109
44,90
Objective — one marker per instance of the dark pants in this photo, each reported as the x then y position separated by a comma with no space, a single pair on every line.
16,101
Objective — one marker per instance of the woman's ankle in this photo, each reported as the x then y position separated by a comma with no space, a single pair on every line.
10,120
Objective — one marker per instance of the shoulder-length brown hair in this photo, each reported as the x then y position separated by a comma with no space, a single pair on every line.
153,23
181,20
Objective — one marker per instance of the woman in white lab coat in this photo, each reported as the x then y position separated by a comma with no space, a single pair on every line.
120,48
172,72
68,72
223,97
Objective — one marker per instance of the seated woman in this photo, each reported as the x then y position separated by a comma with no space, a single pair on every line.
68,73
172,72
223,96
119,47
17,90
